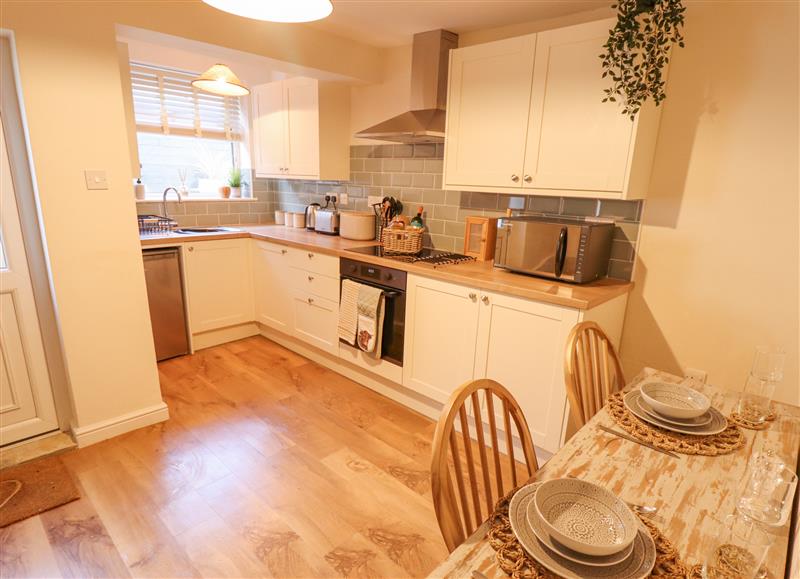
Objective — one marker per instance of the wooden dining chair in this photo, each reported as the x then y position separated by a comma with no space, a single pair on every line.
473,414
592,371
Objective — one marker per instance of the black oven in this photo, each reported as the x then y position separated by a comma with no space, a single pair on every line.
393,284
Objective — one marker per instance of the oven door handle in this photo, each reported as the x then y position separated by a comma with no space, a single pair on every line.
391,294
561,251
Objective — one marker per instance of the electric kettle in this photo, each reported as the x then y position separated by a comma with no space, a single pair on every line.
311,216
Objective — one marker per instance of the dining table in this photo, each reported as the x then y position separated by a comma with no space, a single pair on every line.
692,493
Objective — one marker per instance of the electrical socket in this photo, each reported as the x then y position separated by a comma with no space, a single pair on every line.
374,199
696,374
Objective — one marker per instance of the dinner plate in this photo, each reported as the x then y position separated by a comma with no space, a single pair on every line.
540,531
637,566
718,421
699,421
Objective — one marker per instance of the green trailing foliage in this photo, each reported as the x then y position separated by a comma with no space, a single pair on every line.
638,49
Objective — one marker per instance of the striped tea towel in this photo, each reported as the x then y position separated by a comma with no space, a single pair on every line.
348,311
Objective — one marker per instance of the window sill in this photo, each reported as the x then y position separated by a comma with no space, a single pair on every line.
173,199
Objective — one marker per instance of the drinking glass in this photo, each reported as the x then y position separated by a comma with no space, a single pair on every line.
738,550
768,490
756,396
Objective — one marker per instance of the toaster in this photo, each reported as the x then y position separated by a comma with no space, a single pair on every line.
327,221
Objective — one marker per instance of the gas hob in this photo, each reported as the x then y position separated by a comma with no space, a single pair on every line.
427,255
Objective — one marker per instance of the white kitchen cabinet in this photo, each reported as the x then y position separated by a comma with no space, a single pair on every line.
219,286
301,130
273,297
457,333
521,345
440,336
573,144
316,321
487,112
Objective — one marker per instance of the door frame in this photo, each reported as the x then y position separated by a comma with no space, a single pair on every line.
20,159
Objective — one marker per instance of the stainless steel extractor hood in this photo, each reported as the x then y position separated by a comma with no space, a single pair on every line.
424,123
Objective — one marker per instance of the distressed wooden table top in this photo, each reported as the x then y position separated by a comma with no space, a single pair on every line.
692,492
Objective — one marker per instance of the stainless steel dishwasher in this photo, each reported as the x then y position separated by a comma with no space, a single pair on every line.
162,271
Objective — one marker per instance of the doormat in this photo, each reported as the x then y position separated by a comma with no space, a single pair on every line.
34,487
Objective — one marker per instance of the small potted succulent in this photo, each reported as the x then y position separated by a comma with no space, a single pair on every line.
235,182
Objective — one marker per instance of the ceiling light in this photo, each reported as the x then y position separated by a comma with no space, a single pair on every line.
219,79
276,10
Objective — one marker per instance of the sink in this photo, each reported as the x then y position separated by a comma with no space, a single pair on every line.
198,230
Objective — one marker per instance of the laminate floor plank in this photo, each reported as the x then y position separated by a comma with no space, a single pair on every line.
25,551
270,466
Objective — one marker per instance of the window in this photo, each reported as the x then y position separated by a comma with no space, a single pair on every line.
186,137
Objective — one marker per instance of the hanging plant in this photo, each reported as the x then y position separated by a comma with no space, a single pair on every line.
637,51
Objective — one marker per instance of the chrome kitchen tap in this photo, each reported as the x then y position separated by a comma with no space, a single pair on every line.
164,200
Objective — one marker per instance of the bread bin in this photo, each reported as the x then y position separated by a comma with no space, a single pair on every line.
357,225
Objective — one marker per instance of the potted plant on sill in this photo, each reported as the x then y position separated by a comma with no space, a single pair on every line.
235,182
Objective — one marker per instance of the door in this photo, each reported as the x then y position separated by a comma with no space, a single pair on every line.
301,98
575,141
26,396
219,286
521,345
316,321
440,335
487,113
269,129
271,281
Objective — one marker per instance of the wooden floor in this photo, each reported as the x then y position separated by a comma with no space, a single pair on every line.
270,465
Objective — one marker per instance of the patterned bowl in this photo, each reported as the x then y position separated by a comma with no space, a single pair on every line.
675,400
585,517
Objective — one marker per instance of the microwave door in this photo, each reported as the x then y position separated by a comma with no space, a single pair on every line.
545,249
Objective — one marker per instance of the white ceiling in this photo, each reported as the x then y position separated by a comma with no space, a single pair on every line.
394,22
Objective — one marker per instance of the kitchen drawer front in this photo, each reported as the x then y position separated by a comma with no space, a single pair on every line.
315,284
316,321
314,262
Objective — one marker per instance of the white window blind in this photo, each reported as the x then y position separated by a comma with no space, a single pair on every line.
164,101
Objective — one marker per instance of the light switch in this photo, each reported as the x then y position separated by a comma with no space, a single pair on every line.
96,179
343,198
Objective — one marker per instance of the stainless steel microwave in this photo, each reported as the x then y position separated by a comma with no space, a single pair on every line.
571,250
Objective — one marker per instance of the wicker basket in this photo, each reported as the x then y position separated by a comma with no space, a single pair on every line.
403,241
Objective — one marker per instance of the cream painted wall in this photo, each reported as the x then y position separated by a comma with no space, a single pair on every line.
72,94
718,255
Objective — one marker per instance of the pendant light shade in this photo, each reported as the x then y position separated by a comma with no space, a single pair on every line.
219,79
276,10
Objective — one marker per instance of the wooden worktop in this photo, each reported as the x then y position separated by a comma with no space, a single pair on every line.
481,275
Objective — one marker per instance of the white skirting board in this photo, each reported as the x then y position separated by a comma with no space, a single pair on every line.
86,435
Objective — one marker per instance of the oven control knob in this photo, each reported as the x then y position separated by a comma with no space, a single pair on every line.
352,268
389,277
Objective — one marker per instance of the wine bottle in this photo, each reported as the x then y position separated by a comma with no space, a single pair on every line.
416,221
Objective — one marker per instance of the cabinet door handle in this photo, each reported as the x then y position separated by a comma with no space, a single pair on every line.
311,278
310,255
485,299
527,178
284,251
473,296
191,248
515,178
310,300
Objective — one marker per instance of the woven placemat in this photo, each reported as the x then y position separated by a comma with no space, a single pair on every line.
516,562
725,442
740,420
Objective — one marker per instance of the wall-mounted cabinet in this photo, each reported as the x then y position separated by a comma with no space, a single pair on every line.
301,130
525,115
